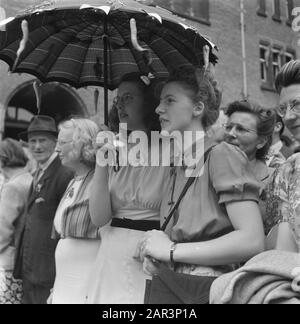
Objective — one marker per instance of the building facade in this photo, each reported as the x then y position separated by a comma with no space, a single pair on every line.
269,42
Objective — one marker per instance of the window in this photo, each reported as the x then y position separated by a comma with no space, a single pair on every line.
276,62
276,10
261,11
197,10
18,114
264,62
290,7
272,58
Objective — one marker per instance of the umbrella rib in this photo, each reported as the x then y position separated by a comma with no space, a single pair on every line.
47,37
131,48
72,36
87,51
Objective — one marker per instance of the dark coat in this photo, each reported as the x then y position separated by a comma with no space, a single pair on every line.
36,251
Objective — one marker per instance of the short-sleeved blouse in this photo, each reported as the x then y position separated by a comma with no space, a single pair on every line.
202,214
136,192
287,191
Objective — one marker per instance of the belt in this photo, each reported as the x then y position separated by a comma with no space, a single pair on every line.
138,225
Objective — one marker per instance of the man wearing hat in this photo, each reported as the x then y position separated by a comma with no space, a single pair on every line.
35,263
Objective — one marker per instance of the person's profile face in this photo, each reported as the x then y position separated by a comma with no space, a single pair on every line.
290,108
130,105
176,108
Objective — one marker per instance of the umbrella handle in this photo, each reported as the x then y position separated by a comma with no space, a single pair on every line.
135,43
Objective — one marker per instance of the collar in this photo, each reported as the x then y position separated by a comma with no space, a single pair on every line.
46,165
275,149
192,154
260,170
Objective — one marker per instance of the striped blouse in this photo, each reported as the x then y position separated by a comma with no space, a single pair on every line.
75,220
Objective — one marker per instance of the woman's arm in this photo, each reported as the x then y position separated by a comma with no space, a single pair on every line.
100,203
246,241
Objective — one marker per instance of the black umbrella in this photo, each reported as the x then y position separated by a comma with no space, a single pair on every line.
97,44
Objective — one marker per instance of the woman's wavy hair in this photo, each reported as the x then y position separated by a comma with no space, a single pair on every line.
12,154
85,132
151,102
266,120
288,75
204,88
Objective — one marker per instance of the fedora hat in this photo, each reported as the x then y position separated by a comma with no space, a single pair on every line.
40,124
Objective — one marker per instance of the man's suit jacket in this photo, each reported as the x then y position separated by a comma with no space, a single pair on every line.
36,251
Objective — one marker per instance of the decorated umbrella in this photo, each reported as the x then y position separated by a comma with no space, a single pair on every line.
97,43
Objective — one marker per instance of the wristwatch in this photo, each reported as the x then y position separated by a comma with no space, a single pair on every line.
172,250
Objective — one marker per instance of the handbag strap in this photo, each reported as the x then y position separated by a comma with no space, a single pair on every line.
184,191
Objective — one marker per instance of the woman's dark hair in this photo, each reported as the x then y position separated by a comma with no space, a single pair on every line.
12,154
280,120
289,74
204,89
286,140
266,120
151,102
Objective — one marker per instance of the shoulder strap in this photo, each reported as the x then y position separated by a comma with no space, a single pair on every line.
184,191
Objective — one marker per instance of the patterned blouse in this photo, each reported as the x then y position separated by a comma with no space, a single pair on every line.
287,193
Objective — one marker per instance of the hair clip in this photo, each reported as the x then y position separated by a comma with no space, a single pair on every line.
147,78
206,52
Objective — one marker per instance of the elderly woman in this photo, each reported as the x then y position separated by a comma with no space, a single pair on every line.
79,238
13,200
250,127
287,183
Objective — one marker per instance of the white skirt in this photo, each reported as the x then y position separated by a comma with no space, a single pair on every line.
74,260
117,278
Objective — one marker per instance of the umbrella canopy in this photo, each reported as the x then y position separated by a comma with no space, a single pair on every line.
93,44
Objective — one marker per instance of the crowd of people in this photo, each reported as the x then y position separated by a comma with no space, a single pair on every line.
76,231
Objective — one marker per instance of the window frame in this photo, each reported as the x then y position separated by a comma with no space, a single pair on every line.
205,21
262,8
289,8
278,64
268,84
264,63
276,11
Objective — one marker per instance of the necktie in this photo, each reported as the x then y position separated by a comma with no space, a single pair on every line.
37,176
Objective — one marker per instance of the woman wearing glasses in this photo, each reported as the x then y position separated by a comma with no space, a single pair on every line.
250,127
79,238
287,183
218,222
125,200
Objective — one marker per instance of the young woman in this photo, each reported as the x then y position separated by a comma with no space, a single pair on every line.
125,202
218,222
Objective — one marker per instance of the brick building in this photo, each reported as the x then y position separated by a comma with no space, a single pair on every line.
269,43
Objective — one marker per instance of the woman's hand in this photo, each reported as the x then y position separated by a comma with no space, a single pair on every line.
150,266
155,245
106,148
